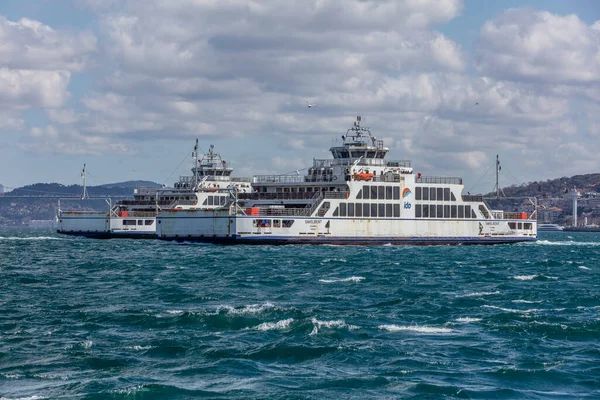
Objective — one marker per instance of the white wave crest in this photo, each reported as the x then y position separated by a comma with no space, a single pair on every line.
585,268
431,330
338,323
269,326
467,320
479,294
566,243
525,301
22,398
351,279
30,238
530,277
250,309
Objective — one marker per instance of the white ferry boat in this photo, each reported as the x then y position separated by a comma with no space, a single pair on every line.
358,197
137,218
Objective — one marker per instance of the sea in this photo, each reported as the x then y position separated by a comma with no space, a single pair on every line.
145,319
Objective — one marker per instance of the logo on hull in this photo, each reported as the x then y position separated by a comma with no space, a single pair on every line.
406,192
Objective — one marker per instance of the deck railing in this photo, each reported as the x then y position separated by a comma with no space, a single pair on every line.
440,179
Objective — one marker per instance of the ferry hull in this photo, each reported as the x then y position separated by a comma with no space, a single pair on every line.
110,235
220,227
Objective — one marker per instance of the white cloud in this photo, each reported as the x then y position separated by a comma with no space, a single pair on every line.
524,44
30,45
23,89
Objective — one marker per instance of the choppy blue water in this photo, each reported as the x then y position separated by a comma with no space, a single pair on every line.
127,319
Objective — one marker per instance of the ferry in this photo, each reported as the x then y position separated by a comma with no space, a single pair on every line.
549,227
137,218
358,197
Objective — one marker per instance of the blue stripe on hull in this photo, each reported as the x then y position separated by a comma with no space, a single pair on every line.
110,235
416,241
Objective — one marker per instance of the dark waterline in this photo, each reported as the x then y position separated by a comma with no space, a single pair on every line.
145,319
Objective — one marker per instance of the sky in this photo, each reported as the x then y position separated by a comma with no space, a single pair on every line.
126,86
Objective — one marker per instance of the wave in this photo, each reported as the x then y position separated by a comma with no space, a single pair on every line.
585,268
467,320
338,323
566,243
415,328
30,238
22,398
351,279
269,326
531,277
250,309
479,294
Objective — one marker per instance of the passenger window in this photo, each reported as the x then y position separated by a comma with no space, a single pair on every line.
366,191
418,193
373,210
381,210
381,192
396,193
388,193
342,209
366,210
373,192
432,194
351,209
417,211
397,210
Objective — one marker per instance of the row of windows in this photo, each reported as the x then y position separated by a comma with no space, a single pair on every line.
436,194
443,211
215,201
357,154
275,223
520,225
131,222
369,192
371,210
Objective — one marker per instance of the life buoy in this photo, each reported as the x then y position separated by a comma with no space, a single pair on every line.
347,194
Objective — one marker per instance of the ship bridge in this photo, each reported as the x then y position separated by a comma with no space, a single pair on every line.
358,143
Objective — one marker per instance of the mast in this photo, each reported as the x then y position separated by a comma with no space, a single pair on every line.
195,155
84,176
497,174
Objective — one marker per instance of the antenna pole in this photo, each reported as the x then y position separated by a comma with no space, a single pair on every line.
196,164
497,173
84,176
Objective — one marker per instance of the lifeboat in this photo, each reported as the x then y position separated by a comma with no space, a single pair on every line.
363,176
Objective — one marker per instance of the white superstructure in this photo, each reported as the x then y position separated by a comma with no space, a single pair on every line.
137,218
357,197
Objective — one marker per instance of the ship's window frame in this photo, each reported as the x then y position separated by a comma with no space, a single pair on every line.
446,194
336,211
452,196
440,211
359,195
473,215
211,200
148,222
461,211
418,211
287,223
432,211
370,154
396,190
140,222
381,210
512,225
467,211
342,209
129,222
366,192
453,211
367,210
418,193
527,225
373,210
425,212
276,223
350,209
373,192
440,194
381,192
389,208
425,193
446,210
432,194
358,210
389,193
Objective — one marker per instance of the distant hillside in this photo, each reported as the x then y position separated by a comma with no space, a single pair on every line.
59,190
589,183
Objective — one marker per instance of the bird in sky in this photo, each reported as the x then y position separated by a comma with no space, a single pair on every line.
310,105
476,104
